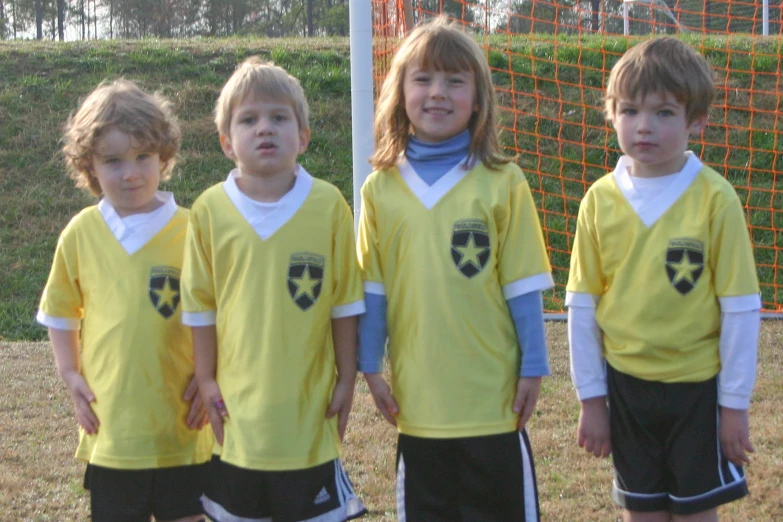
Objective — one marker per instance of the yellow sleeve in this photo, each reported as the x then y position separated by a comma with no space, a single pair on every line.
62,296
367,244
585,274
522,252
347,274
731,254
198,288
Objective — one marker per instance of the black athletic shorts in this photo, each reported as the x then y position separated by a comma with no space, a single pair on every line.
283,496
488,479
666,446
130,495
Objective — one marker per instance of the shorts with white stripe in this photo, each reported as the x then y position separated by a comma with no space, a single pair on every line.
666,446
319,494
489,478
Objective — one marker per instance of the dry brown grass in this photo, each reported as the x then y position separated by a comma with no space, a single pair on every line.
40,481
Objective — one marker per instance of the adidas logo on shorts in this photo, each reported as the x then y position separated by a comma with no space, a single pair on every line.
322,497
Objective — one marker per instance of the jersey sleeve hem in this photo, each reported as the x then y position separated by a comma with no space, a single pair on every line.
348,310
199,318
371,287
60,323
581,300
519,287
590,391
734,401
740,303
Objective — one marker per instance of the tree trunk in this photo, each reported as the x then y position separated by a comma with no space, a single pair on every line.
594,19
38,20
309,15
61,20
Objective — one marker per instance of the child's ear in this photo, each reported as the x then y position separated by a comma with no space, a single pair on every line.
304,140
697,125
228,150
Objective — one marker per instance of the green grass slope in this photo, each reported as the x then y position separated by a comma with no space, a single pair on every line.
41,83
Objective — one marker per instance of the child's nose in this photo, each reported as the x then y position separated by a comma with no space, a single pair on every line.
131,172
645,123
438,89
264,126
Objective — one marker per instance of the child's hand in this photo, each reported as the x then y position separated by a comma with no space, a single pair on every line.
383,397
342,399
528,389
82,396
593,433
735,435
216,408
197,416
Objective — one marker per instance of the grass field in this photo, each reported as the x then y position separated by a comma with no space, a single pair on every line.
41,481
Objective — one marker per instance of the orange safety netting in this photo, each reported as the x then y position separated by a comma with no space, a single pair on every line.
550,61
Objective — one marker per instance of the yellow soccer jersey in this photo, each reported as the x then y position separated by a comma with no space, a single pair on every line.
271,285
447,257
660,272
136,356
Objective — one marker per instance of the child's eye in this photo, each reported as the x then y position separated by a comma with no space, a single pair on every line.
143,156
456,80
421,78
247,120
279,118
111,161
666,113
628,110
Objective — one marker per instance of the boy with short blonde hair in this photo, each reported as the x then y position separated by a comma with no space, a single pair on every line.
112,307
664,300
271,289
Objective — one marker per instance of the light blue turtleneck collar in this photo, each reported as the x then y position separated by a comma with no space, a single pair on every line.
432,160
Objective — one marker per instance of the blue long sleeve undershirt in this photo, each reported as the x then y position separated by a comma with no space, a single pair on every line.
431,162
526,310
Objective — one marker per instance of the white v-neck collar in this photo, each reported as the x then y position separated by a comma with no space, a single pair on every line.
430,195
651,211
266,225
133,238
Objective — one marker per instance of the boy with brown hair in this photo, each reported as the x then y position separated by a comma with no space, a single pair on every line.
664,300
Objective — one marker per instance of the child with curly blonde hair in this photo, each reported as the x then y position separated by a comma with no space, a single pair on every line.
112,308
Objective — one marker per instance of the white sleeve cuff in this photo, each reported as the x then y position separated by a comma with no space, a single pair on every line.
533,283
371,287
582,300
348,310
588,369
59,323
199,318
738,358
740,303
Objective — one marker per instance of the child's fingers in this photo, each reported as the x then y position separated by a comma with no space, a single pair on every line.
191,390
389,410
216,420
342,422
195,412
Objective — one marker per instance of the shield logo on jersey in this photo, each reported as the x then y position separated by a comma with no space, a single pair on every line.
305,276
470,246
164,289
684,263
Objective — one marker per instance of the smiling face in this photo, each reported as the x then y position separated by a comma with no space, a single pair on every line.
653,131
127,173
264,138
439,104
